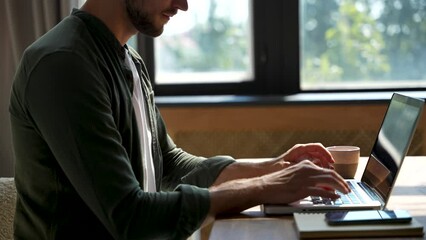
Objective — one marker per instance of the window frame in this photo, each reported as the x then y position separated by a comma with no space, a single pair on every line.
276,58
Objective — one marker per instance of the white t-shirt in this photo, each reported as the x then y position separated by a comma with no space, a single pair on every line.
143,127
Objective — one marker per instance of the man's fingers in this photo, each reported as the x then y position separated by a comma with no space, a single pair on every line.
315,191
312,151
323,164
305,179
326,178
323,155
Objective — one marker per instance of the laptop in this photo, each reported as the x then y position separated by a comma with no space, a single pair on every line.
374,189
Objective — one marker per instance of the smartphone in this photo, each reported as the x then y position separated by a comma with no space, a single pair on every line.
367,217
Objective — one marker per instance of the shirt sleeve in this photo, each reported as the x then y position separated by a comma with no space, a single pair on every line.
68,99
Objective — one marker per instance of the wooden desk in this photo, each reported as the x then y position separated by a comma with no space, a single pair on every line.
409,194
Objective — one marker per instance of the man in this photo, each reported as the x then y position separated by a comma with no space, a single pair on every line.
93,158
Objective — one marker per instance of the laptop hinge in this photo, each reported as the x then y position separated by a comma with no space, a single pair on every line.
372,193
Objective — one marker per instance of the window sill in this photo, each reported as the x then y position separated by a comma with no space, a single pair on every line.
299,98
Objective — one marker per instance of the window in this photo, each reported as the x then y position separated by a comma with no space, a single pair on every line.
240,60
79,2
211,43
363,44
283,47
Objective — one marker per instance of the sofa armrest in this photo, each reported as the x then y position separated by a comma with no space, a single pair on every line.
7,206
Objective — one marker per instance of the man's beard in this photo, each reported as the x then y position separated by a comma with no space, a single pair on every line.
141,21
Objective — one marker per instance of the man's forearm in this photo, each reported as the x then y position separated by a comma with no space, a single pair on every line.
233,197
236,196
296,174
248,169
283,186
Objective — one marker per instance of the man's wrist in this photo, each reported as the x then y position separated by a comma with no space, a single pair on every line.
272,165
236,196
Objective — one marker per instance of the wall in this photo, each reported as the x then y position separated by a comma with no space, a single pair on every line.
6,75
267,131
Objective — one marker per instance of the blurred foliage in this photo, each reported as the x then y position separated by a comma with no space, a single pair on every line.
364,40
216,45
343,41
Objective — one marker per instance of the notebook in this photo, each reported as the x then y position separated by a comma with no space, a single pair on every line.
312,225
385,160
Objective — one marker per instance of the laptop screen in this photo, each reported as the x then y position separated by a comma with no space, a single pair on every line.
392,144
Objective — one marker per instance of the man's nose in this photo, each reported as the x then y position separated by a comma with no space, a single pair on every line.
181,4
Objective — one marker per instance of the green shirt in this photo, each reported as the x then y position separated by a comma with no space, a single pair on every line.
78,157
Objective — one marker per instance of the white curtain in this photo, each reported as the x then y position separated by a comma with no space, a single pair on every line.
21,23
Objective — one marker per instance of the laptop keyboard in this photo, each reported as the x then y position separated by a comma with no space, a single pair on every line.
350,198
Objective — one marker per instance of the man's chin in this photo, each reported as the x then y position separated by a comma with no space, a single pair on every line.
157,34
153,33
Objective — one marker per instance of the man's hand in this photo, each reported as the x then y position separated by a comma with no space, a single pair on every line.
315,152
281,187
304,170
301,180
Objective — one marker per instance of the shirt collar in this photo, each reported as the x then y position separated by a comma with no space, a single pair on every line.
96,26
